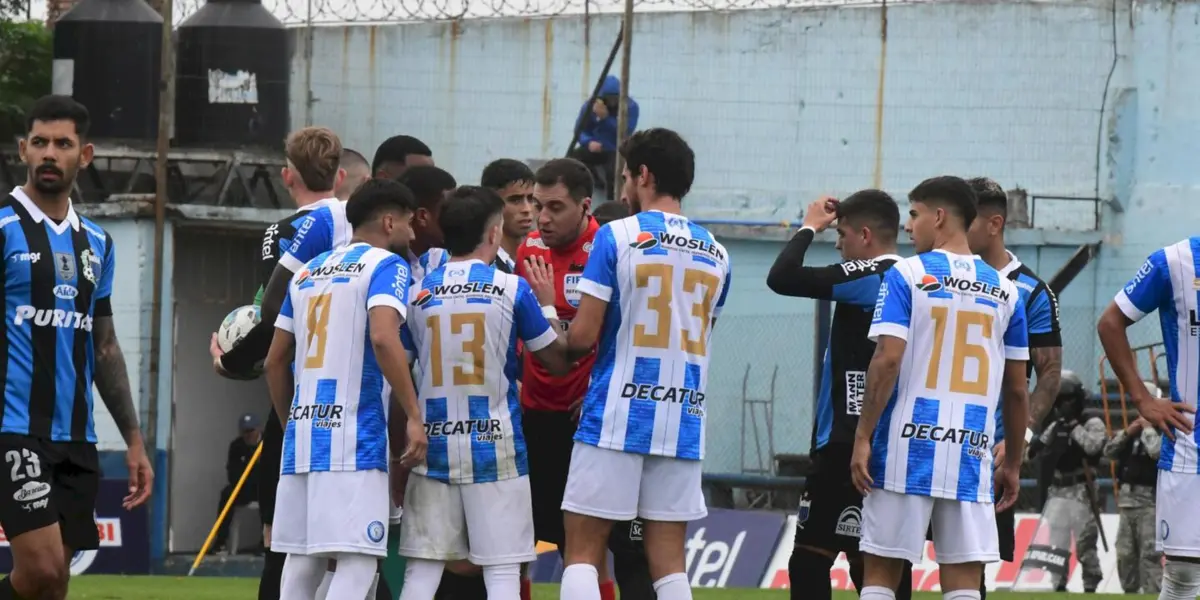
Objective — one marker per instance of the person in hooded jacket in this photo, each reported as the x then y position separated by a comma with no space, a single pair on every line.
597,130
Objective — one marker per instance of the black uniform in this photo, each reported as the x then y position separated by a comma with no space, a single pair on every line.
830,514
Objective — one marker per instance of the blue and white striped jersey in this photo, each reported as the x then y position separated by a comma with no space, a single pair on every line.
324,228
665,280
465,320
57,278
436,257
339,413
1169,282
962,321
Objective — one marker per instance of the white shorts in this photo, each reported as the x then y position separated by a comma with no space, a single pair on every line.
894,526
332,512
488,523
619,486
1178,531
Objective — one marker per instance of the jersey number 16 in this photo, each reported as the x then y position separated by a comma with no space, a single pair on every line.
963,350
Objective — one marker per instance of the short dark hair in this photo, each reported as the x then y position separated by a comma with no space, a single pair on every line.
989,195
375,197
666,156
351,157
465,217
397,149
873,208
610,211
502,172
950,192
574,175
54,107
428,183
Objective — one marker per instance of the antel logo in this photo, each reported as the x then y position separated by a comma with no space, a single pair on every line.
709,563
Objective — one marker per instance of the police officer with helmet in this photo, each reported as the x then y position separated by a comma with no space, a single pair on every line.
1069,450
1135,450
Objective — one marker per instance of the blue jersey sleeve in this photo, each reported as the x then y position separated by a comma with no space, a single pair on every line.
893,306
286,313
313,236
600,274
389,285
406,339
108,266
724,288
1042,316
1149,288
1016,337
532,326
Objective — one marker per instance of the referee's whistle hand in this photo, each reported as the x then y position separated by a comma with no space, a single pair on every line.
860,474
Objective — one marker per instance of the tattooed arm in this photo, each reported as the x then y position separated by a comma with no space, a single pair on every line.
112,380
1047,363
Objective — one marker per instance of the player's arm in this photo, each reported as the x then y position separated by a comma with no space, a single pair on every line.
1148,290
312,238
596,287
536,320
387,299
111,378
1015,404
278,364
1045,350
855,282
889,331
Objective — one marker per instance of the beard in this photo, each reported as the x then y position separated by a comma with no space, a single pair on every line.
51,186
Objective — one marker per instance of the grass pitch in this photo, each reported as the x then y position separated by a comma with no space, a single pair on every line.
115,587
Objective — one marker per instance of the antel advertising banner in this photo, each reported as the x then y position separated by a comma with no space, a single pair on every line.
124,537
926,577
728,548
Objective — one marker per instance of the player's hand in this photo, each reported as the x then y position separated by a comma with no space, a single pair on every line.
418,443
540,275
214,349
998,454
1008,482
1165,415
141,477
821,213
860,474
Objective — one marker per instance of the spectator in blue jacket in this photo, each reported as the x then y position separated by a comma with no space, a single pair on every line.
597,123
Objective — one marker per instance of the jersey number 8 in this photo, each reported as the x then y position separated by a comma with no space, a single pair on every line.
662,306
963,350
317,320
472,346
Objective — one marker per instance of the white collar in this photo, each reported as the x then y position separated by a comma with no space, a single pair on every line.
1014,263
38,216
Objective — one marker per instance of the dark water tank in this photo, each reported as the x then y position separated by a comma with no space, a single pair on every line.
107,55
232,69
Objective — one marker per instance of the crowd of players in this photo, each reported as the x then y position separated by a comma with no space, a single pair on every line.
401,325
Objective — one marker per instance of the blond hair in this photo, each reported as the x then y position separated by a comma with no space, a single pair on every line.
315,153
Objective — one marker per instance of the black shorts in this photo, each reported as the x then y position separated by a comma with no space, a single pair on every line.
830,515
268,466
549,437
49,482
626,538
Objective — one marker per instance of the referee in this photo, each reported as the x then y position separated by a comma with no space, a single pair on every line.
830,514
59,340
986,237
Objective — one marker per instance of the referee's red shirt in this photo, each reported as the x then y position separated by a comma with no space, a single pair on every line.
539,389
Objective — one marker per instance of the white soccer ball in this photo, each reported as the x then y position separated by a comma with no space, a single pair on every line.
236,325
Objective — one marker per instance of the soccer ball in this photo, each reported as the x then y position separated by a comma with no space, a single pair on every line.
236,325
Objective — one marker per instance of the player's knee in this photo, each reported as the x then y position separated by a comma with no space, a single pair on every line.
809,566
43,577
462,567
1181,580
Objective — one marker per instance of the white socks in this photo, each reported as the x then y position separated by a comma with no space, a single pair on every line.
374,588
876,592
301,576
323,589
421,579
354,575
503,582
961,595
581,582
673,587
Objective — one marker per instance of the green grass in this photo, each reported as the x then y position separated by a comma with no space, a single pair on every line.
107,587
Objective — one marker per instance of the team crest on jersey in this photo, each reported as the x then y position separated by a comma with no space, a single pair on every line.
66,265
962,265
587,247
929,284
423,297
802,513
375,532
849,523
90,265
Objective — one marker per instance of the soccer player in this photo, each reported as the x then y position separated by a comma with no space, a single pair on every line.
399,153
830,514
358,171
986,238
513,180
472,497
951,335
650,294
430,185
334,493
1167,284
59,340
